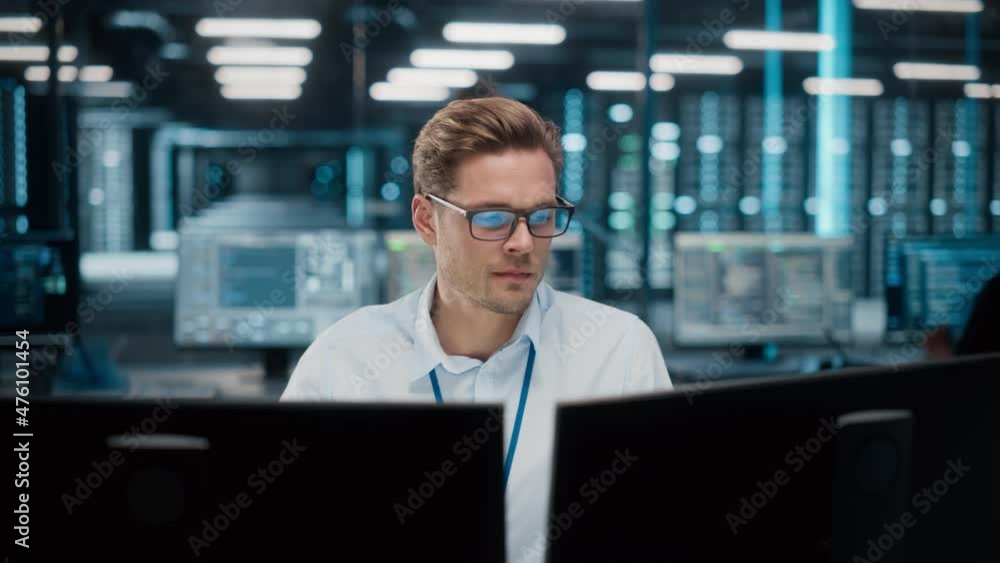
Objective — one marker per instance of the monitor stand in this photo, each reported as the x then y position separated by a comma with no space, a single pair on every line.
275,363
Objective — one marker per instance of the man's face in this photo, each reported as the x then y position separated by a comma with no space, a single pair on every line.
515,179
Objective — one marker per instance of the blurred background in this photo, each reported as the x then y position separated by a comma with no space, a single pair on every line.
191,191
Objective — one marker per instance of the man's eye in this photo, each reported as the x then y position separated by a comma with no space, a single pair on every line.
491,219
540,217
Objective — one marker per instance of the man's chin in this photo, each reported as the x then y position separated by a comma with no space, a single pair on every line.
505,305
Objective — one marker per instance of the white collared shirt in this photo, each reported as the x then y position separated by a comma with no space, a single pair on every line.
583,350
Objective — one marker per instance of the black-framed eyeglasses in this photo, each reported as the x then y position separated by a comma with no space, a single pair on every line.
499,224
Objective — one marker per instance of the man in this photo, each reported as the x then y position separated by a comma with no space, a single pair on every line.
486,328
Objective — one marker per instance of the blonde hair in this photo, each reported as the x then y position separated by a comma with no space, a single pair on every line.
469,127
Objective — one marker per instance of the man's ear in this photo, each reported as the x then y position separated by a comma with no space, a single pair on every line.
423,219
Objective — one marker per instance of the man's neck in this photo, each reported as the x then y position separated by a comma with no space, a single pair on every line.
465,328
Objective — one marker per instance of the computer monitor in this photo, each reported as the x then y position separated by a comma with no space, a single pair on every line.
932,281
757,289
805,469
39,287
199,480
269,288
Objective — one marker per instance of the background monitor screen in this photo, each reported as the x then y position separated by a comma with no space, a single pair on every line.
270,288
934,281
755,288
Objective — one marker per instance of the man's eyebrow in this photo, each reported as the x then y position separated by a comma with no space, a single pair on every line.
505,205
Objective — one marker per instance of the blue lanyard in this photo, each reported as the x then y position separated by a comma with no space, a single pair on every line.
520,408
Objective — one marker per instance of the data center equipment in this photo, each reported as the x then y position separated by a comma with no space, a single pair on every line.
39,288
933,281
876,464
196,480
359,176
564,271
758,289
410,263
270,288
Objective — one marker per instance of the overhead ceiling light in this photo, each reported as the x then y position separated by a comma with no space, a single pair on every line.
777,40
935,71
68,73
616,80
66,53
982,91
96,73
36,73
456,78
978,91
261,92
681,63
958,6
661,82
260,75
462,58
25,25
35,53
389,92
40,73
258,27
284,56
534,34
816,86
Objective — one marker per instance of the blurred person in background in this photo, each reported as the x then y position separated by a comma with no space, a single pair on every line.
982,330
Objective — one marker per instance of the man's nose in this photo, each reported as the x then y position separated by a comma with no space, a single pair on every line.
521,240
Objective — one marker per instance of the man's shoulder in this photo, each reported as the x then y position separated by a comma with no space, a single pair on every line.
371,322
574,309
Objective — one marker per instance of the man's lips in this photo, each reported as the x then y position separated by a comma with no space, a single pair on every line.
514,274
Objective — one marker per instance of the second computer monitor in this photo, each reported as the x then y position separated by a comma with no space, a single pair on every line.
270,287
755,289
933,281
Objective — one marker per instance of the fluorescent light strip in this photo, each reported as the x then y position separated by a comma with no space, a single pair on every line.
531,34
957,6
935,71
35,53
777,41
389,92
40,73
284,56
91,73
978,90
20,24
816,86
621,81
462,58
258,27
983,91
260,74
661,82
680,63
261,92
96,73
455,78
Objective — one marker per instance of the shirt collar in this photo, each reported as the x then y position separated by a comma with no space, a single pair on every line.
429,347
